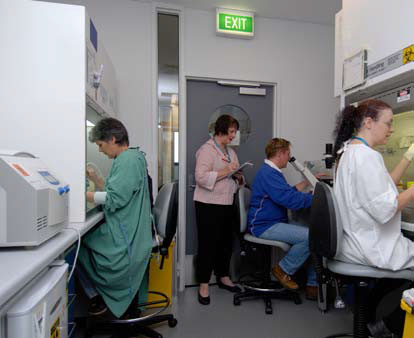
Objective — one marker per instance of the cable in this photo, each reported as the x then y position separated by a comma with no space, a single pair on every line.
77,251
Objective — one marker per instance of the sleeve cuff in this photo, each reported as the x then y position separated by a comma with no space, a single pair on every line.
211,181
99,197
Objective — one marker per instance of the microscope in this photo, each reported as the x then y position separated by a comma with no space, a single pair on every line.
325,165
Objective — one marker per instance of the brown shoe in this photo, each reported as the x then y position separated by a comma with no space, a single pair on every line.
284,278
311,292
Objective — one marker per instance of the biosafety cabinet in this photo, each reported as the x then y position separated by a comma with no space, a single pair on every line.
374,58
374,46
54,71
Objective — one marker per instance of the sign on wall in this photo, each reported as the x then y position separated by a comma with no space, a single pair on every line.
234,23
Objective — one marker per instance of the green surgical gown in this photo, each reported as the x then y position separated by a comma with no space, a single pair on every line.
115,255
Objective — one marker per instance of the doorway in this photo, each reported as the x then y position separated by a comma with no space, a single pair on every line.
253,106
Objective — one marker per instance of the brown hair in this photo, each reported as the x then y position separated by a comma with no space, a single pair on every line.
276,145
349,121
223,123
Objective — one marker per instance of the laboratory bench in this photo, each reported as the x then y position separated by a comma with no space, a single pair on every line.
20,267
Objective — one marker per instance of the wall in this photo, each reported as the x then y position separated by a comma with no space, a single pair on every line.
299,57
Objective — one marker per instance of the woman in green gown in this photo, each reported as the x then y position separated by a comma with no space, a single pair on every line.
115,255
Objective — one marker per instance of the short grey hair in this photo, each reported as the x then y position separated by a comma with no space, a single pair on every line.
108,128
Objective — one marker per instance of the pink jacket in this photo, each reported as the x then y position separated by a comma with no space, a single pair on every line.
209,160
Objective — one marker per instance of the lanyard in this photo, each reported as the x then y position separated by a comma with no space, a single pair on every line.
360,139
226,156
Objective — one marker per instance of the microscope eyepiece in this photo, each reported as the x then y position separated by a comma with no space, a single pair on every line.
292,159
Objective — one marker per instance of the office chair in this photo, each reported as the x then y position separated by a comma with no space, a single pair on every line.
263,288
325,235
165,219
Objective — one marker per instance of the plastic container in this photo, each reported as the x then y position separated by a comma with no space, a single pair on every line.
162,280
409,320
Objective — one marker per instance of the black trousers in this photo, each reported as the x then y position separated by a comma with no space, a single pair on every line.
215,225
395,319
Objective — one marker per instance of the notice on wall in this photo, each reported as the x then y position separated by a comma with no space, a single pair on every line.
354,70
403,95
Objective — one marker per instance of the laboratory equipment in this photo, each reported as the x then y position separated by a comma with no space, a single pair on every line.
42,310
58,90
33,200
304,171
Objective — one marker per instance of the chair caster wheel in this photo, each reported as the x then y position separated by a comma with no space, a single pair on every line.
236,301
172,322
297,300
268,310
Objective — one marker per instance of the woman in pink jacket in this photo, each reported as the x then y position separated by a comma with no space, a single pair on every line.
215,213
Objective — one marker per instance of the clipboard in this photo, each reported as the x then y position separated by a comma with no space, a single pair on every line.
244,165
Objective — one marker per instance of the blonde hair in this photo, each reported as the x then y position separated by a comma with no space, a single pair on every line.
276,145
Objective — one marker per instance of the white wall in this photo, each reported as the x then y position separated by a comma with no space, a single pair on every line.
299,57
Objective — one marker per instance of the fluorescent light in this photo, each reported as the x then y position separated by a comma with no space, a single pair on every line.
176,147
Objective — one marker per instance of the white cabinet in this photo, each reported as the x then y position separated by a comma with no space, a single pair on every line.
47,54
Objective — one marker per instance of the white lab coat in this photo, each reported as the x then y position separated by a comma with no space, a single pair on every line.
367,201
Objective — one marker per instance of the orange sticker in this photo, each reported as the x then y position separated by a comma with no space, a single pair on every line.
20,169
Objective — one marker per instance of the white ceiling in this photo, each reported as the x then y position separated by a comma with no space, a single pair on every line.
314,11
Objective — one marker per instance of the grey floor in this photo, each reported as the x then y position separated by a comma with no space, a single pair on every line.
221,319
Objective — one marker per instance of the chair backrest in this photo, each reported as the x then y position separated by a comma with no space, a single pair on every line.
243,200
325,229
165,212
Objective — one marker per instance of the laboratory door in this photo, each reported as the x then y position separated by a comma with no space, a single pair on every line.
206,101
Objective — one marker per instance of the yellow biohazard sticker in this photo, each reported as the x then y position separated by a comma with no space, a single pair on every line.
55,329
409,54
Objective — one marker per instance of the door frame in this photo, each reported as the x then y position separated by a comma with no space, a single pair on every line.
182,184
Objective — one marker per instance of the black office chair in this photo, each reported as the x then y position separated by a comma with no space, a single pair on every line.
325,236
262,287
165,218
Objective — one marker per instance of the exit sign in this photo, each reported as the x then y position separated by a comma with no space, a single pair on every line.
234,23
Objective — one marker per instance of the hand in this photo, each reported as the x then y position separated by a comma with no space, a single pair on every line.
231,167
238,176
90,196
409,154
91,174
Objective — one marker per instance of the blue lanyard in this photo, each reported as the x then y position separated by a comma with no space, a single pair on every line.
360,139
226,155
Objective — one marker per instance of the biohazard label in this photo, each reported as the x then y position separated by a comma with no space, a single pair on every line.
55,329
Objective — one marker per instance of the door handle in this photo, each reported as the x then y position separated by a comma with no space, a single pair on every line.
191,187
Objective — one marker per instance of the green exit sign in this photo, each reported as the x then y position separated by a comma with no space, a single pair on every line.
235,23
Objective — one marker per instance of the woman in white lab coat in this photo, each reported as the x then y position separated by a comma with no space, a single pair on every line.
368,200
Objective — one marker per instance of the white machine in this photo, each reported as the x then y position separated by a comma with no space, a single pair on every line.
33,201
42,311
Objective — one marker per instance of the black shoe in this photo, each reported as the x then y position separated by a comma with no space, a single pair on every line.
203,300
379,330
133,313
97,306
234,289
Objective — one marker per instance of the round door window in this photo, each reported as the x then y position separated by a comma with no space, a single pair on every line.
240,115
